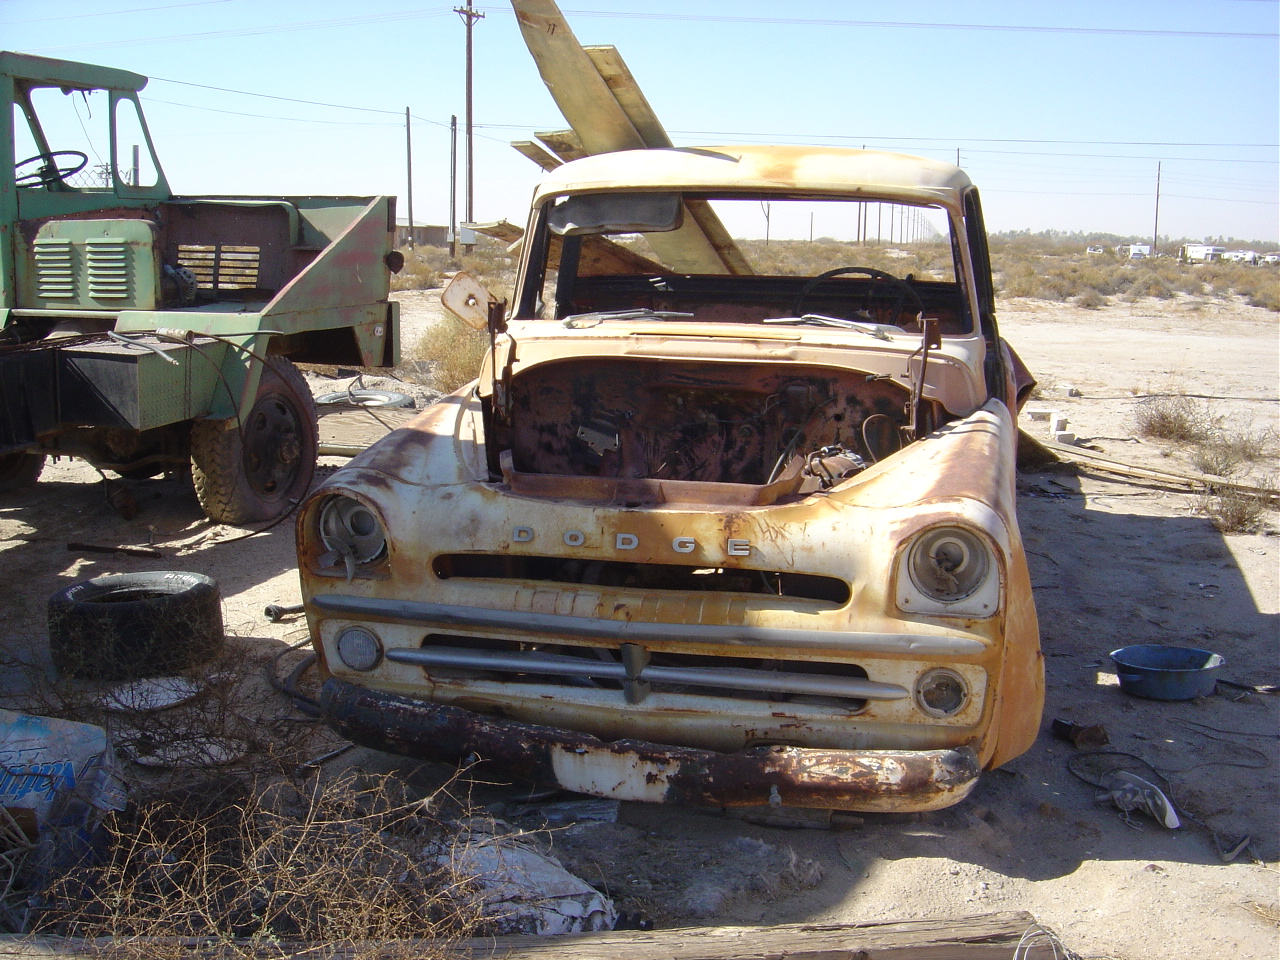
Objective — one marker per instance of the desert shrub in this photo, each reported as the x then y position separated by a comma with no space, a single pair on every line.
338,864
1222,452
1216,458
1265,294
1053,266
424,268
1148,284
455,351
492,264
1233,511
1092,300
1171,418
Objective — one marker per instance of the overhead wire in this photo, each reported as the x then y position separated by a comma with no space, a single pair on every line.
914,24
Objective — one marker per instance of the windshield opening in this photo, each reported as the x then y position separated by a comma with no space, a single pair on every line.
746,259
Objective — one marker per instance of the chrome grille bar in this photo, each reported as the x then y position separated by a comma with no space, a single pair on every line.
734,678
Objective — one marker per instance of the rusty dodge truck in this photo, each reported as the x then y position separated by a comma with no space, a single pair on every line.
722,522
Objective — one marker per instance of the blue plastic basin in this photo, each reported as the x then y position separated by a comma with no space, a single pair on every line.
1166,673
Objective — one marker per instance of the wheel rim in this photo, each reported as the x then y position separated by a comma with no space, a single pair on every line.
273,446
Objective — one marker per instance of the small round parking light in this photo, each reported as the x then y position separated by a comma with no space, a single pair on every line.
941,692
359,649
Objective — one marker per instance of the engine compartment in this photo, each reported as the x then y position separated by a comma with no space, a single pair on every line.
704,422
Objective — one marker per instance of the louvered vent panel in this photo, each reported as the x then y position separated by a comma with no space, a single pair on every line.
221,266
55,270
108,268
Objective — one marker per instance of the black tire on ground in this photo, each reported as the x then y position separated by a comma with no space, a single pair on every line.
134,625
19,470
258,476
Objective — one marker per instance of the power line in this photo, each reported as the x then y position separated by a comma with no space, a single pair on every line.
249,31
112,13
1000,27
950,141
269,96
268,116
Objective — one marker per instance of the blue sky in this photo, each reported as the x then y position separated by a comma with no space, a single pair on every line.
1060,112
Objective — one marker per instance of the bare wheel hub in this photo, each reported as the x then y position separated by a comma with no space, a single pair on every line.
273,444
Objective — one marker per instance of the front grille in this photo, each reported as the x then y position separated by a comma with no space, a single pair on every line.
636,672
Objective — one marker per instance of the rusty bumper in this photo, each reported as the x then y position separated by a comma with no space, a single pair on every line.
892,781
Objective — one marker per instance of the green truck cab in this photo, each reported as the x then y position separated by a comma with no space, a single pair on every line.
144,331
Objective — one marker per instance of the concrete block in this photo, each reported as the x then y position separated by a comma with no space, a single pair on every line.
1064,436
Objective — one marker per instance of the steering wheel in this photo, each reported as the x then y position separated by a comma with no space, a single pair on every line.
905,290
50,170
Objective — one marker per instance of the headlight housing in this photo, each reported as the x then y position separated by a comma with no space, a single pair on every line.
950,570
359,648
351,532
941,692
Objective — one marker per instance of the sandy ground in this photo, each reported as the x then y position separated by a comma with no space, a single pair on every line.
1114,563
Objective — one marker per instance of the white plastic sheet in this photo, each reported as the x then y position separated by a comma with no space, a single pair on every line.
522,890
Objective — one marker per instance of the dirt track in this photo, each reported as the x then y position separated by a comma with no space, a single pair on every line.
1113,563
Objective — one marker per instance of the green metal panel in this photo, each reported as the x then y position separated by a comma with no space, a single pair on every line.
46,71
122,385
89,265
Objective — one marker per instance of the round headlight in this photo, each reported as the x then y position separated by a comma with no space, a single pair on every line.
948,563
941,692
351,529
359,649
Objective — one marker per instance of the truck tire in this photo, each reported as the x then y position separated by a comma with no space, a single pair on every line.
19,470
259,474
365,397
134,625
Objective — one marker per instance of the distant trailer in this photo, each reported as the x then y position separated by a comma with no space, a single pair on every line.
1240,256
1200,253
1134,251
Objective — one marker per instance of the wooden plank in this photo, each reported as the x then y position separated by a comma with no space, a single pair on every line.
603,126
989,937
352,430
1000,936
622,84
537,153
503,230
563,143
1103,464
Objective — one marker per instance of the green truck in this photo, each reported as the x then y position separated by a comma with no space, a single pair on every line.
145,332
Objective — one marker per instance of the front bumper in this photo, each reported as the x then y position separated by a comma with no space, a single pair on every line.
886,781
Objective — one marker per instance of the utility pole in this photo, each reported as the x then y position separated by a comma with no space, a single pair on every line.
469,17
408,149
1155,234
453,185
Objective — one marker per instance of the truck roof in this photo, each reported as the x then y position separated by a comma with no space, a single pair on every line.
68,74
774,169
